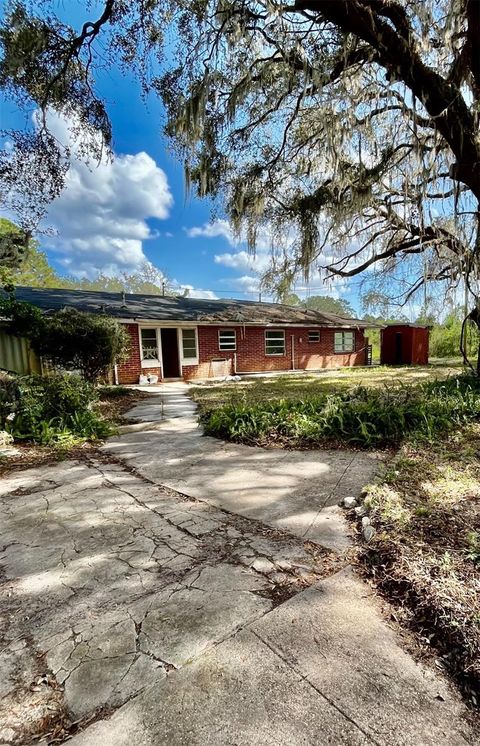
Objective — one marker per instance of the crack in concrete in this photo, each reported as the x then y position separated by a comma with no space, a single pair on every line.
293,668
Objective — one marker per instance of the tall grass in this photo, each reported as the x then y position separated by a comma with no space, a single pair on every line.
362,417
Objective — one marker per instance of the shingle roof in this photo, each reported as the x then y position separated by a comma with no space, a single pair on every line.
140,307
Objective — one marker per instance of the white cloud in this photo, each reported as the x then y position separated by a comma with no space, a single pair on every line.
100,217
244,261
248,283
197,292
215,229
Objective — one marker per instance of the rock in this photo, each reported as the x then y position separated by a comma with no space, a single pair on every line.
263,565
360,511
366,521
5,438
368,533
349,502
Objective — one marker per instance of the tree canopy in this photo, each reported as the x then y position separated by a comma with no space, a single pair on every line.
346,128
326,303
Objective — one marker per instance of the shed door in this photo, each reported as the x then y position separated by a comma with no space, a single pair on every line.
398,348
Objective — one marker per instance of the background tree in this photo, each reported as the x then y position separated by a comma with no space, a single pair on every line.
328,304
349,127
14,246
325,303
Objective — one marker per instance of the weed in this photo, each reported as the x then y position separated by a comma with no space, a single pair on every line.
363,417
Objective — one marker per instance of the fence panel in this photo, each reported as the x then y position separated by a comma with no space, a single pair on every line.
16,356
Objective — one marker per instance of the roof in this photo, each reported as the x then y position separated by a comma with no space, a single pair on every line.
393,324
139,307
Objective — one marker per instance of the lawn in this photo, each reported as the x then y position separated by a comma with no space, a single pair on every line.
291,386
355,407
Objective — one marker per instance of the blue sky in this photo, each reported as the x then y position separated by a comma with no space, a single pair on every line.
112,217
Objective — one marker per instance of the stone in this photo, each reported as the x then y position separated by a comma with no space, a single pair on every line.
263,565
366,521
368,533
360,511
349,502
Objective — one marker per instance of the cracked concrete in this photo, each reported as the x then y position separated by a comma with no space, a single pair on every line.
168,620
297,491
110,582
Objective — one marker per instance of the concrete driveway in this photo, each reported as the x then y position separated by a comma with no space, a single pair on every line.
133,614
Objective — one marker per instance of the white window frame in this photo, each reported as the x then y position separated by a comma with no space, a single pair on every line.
344,350
317,333
187,360
276,354
232,341
150,362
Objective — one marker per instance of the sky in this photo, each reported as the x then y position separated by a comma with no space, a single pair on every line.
114,216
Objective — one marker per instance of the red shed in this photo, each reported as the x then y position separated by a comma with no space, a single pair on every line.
404,344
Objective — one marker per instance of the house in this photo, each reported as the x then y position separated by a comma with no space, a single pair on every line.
404,344
189,338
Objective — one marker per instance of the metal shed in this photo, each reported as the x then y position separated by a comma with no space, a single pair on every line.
404,344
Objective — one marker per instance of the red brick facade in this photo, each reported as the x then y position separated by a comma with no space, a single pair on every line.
250,353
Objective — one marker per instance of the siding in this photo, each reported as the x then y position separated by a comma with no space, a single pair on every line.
16,355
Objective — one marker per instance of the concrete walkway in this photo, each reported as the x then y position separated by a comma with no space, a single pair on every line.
134,615
297,491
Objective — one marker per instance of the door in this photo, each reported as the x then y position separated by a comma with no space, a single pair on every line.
398,348
171,363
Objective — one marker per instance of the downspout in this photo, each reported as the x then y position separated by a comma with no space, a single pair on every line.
115,374
234,363
293,351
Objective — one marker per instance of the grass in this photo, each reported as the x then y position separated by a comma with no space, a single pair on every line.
253,390
303,412
425,555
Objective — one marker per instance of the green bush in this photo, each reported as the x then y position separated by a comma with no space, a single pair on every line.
70,339
57,409
363,417
82,341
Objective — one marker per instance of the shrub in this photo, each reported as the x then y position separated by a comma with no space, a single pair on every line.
363,417
53,410
70,339
82,341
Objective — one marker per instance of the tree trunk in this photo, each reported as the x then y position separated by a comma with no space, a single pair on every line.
474,316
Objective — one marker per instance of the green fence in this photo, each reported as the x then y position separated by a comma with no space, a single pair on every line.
16,356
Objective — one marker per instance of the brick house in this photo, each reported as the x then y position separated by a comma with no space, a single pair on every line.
189,338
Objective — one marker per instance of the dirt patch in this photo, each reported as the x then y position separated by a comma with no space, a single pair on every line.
115,401
425,555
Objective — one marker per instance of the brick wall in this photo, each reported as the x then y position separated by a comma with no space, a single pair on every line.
129,371
251,356
251,353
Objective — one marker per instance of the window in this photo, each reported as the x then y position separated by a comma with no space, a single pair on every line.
189,344
227,339
149,344
275,343
313,336
344,341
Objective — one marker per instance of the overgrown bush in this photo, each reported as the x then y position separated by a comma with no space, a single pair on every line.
82,341
70,339
363,417
445,338
58,409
